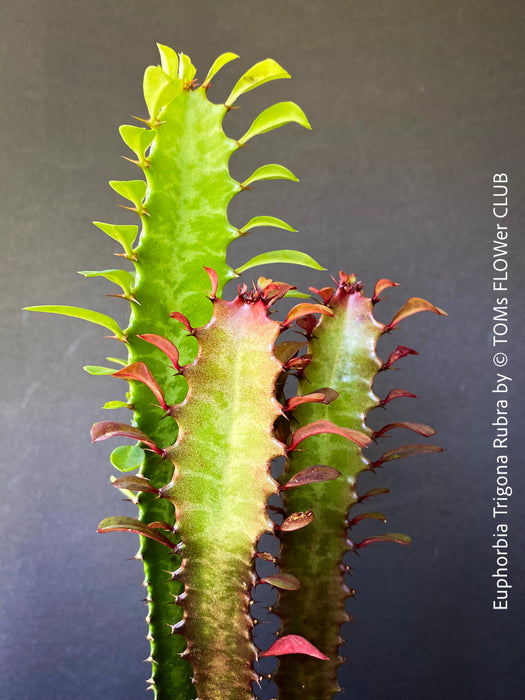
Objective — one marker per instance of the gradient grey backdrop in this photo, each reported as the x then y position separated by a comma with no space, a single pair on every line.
414,105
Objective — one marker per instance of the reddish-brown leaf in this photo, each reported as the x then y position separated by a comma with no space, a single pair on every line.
373,492
396,394
167,347
285,581
296,521
308,324
405,451
182,318
135,483
419,428
326,426
312,475
366,516
266,556
381,285
160,525
214,281
324,395
326,293
293,644
121,523
397,354
304,309
397,537
414,306
107,429
287,349
298,363
139,372
273,291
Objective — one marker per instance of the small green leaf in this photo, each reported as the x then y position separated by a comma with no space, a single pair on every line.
125,458
137,139
293,257
267,221
83,314
297,294
134,190
117,361
159,90
97,370
219,63
169,60
186,69
115,404
125,235
124,279
275,116
270,172
257,75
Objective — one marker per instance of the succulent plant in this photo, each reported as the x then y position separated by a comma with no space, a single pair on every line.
208,392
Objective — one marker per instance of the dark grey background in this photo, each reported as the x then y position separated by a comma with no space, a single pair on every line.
414,105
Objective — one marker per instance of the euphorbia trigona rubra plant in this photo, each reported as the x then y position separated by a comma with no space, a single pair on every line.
211,409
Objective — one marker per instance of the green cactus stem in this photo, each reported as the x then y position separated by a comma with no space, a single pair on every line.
183,154
342,356
219,483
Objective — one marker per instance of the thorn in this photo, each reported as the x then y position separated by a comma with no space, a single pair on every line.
133,257
142,166
150,660
141,212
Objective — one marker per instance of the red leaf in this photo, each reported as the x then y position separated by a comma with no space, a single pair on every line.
214,281
266,556
293,644
325,426
296,521
397,354
285,581
366,516
324,395
373,492
135,483
396,394
182,318
121,523
167,347
312,475
287,349
419,428
405,451
381,285
298,363
304,309
308,324
397,537
139,372
107,429
273,291
160,525
326,293
414,306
